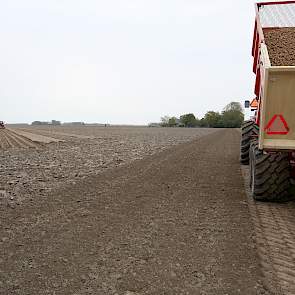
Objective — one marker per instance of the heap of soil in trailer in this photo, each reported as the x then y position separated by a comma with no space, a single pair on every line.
280,43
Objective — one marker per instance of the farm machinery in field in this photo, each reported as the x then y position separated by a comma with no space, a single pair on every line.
2,126
268,140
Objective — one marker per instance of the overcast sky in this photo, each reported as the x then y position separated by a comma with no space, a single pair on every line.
128,61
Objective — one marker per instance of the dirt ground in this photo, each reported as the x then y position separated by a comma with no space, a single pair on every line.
274,226
174,222
281,46
31,169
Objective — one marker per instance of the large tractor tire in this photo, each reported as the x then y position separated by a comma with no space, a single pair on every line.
248,130
270,175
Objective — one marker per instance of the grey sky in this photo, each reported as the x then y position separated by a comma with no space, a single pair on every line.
129,61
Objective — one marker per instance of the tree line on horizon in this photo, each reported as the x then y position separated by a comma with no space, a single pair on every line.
232,116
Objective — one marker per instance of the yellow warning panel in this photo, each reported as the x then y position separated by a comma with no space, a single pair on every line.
277,125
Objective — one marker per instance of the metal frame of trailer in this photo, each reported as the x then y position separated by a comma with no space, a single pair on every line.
268,140
274,89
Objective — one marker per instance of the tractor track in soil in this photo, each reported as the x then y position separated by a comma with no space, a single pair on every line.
10,139
275,239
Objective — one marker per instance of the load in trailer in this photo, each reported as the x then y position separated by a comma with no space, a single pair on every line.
268,140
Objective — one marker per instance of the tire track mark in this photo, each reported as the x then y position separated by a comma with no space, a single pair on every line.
275,239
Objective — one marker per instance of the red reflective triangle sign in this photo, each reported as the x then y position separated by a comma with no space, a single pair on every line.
277,125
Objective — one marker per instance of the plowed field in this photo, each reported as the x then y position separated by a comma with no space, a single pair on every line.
135,211
10,139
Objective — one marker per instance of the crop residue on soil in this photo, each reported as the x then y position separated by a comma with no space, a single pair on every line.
280,43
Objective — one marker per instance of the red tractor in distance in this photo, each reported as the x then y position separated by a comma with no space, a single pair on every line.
2,126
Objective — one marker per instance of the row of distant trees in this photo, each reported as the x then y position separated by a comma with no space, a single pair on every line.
232,116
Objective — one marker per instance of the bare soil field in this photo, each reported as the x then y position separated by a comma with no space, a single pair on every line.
136,211
174,222
11,139
281,46
33,161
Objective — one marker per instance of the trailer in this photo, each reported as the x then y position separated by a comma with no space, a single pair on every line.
268,140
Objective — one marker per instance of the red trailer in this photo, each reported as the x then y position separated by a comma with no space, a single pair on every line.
268,141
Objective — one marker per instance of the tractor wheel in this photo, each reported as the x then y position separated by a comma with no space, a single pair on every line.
247,132
270,175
